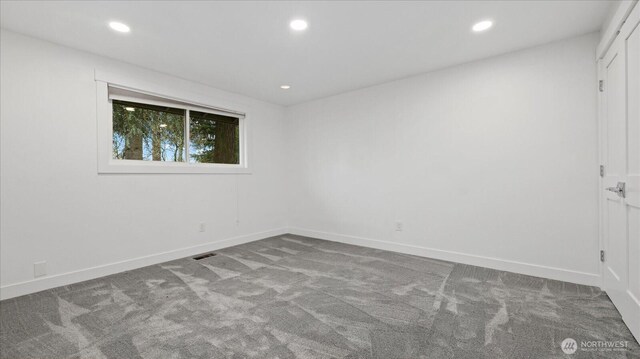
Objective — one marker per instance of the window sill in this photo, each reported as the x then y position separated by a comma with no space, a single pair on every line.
140,167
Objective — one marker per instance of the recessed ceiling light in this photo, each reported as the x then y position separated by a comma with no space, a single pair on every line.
119,27
129,108
482,25
285,87
298,24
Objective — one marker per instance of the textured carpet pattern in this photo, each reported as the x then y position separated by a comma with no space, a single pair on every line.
295,297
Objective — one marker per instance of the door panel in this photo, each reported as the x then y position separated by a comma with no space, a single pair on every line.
615,115
616,266
615,146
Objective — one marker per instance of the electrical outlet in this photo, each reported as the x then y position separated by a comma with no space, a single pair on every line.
202,227
39,269
399,226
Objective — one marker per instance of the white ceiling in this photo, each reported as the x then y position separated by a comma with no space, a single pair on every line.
248,48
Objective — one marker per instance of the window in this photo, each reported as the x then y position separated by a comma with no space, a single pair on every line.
153,134
213,138
148,132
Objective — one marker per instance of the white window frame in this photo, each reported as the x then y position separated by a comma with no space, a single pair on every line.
108,164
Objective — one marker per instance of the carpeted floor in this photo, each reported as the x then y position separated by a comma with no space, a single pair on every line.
295,297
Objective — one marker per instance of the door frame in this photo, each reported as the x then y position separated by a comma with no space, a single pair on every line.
628,10
609,36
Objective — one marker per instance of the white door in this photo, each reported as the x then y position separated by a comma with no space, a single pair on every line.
620,146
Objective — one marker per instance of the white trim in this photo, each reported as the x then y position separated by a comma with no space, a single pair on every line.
609,34
493,263
601,161
187,133
107,164
43,283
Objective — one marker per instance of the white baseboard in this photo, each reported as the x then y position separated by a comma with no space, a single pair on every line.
39,284
536,270
36,285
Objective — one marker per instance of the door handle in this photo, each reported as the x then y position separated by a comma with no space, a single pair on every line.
619,189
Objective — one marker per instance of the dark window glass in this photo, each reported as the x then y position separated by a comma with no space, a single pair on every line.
213,138
148,132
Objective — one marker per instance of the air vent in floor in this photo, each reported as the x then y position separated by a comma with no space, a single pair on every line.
203,256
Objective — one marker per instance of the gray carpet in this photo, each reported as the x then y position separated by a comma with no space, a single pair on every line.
295,297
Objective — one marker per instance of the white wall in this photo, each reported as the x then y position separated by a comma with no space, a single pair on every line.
491,163
55,206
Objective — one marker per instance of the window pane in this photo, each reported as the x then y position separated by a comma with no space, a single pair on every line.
213,138
147,132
